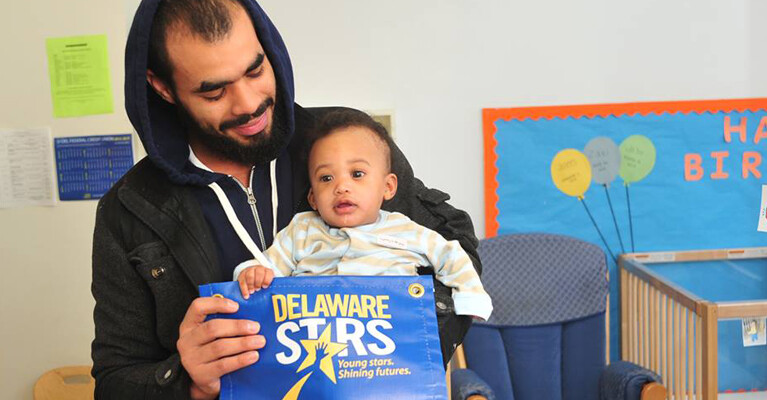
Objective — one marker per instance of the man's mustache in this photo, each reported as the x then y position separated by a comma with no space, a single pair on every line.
244,119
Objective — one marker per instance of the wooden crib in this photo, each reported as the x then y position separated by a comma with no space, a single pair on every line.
671,331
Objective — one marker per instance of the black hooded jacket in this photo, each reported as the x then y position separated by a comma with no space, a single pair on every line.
157,237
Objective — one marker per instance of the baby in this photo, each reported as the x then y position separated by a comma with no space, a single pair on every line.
348,233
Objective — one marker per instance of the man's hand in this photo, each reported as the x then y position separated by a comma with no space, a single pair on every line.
210,349
253,279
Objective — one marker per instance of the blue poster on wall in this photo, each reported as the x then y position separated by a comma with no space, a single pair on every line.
339,337
87,166
693,180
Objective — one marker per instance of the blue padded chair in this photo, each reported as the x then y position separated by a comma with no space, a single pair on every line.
546,337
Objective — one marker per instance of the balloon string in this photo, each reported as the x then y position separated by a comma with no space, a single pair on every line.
598,231
631,223
615,221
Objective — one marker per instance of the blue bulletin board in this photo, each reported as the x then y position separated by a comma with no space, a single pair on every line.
702,190
87,166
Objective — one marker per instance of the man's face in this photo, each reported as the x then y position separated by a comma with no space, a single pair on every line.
226,93
350,179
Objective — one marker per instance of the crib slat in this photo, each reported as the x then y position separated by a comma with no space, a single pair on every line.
646,330
670,344
698,361
690,354
634,316
631,318
638,325
677,359
659,331
664,343
624,315
682,351
653,330
642,324
607,330
709,349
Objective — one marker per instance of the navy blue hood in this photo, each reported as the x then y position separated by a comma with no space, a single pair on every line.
157,122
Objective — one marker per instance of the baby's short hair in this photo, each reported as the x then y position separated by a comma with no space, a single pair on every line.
343,117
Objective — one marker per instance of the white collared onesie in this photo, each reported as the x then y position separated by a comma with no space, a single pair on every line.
393,245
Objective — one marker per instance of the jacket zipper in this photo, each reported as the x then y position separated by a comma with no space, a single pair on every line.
253,207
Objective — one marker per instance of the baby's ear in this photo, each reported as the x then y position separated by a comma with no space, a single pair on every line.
310,198
390,186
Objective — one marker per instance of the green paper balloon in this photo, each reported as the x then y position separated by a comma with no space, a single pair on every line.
637,158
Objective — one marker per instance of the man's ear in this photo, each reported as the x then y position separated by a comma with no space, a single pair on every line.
310,198
390,186
160,87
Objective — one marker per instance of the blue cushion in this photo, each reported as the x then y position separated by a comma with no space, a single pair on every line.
466,382
556,361
623,380
486,355
535,361
549,294
537,279
583,357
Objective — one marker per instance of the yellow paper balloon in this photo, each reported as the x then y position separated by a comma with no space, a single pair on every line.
571,172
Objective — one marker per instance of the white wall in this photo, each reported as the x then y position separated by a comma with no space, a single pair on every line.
436,63
45,301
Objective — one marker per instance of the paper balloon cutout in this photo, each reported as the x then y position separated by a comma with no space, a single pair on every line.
571,172
605,159
637,158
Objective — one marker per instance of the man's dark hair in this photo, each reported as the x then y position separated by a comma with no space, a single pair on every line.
210,20
348,117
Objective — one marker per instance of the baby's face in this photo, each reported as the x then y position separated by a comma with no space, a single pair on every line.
349,177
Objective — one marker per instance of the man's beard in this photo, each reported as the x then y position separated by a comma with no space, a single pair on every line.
258,149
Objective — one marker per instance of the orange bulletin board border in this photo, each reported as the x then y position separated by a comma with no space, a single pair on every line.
491,115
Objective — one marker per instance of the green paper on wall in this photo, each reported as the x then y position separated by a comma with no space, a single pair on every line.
79,70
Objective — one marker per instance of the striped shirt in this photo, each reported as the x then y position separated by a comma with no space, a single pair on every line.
393,245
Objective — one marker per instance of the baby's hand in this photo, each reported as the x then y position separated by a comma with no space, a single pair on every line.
253,279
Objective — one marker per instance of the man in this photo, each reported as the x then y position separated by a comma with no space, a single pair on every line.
209,89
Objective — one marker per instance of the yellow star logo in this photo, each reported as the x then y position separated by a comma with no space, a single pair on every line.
328,349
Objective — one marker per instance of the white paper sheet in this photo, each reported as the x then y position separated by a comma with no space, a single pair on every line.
762,227
26,168
754,332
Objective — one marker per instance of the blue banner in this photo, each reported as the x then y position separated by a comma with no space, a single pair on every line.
339,337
